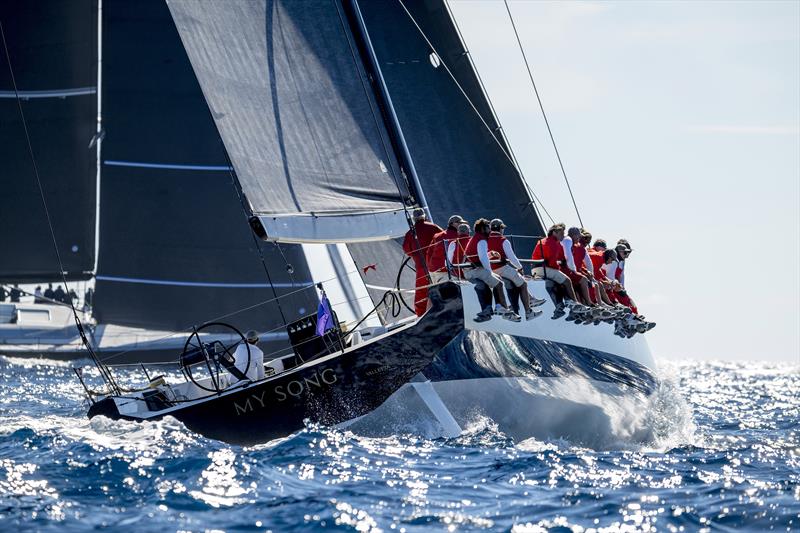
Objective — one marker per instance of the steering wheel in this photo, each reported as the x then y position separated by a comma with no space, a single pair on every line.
214,355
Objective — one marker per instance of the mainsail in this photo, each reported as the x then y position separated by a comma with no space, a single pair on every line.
175,247
53,50
294,107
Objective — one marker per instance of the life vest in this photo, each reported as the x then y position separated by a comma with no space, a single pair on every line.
620,270
459,253
471,250
552,254
579,255
495,245
597,259
437,252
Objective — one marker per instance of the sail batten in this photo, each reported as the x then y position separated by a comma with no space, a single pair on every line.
292,102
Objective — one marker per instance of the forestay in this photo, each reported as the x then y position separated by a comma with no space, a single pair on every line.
291,100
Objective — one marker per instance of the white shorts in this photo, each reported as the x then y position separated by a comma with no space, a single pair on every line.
511,274
551,274
481,274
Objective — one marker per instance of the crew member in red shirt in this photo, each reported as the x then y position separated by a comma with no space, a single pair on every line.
437,251
415,245
456,249
551,252
508,267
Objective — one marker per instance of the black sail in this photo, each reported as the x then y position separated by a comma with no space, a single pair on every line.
175,246
463,168
295,109
53,50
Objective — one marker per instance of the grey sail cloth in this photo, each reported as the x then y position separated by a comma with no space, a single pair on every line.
52,44
461,167
175,246
379,264
292,103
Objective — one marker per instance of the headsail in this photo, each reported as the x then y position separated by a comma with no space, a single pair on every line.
460,156
293,105
175,247
53,50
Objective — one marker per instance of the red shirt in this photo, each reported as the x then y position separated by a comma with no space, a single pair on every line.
597,260
425,231
495,244
471,249
579,255
460,253
553,252
437,253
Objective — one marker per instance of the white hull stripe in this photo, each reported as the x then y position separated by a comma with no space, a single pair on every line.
202,284
64,93
138,164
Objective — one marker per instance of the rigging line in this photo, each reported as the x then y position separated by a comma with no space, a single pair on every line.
495,116
239,194
472,105
78,323
544,115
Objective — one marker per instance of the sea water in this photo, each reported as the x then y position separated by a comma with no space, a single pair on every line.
723,454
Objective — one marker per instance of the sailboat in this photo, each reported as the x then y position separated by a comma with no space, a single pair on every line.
337,117
141,200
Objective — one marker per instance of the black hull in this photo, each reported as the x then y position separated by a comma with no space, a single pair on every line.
329,391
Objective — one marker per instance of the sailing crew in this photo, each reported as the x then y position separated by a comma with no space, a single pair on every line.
415,245
49,293
255,371
3,293
438,249
59,295
570,268
37,295
593,261
551,252
616,271
15,293
509,268
456,248
477,253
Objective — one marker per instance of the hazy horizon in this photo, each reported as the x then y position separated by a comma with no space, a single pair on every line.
679,127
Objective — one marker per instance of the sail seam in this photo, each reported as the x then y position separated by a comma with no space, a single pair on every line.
168,166
54,93
198,283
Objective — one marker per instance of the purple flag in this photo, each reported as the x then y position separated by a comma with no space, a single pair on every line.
324,316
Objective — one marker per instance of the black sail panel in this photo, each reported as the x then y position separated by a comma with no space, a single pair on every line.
293,104
175,246
463,168
52,45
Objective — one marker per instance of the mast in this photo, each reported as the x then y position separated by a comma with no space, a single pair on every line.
387,100
99,132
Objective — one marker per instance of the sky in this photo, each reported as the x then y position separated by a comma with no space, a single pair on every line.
679,127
